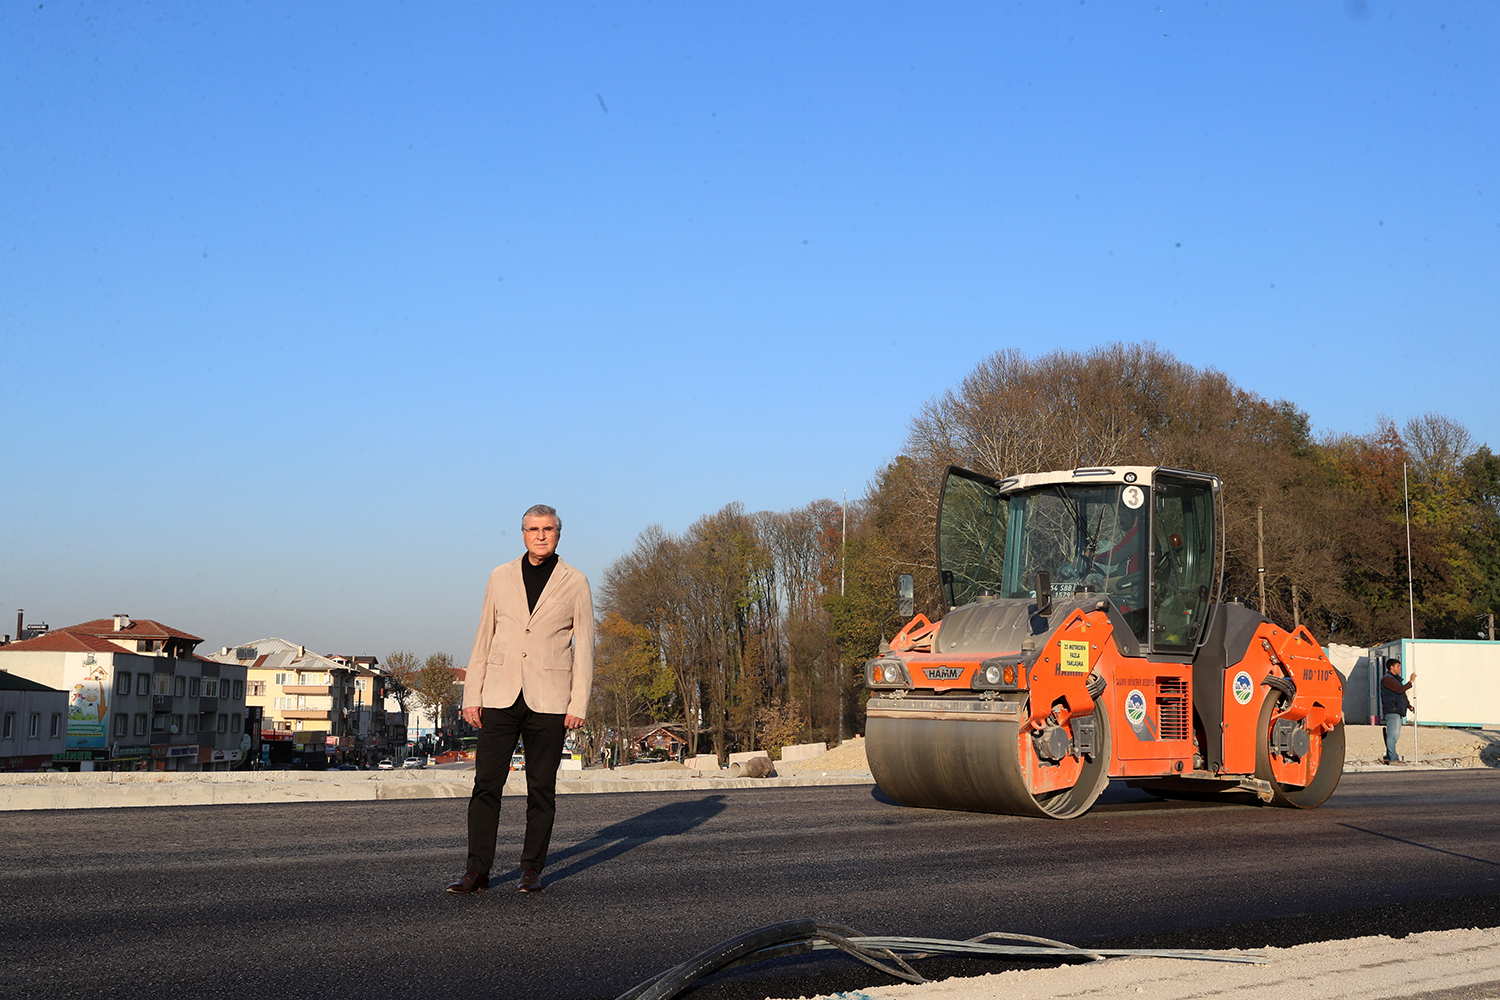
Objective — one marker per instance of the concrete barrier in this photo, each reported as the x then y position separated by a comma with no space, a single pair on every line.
702,762
113,790
106,790
802,751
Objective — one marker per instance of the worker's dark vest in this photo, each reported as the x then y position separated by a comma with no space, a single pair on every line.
1392,702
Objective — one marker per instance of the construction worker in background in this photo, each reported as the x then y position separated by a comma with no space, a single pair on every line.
1394,704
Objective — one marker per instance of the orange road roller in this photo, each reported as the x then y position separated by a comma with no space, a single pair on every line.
1087,638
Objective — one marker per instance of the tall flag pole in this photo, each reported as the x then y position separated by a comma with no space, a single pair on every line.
1411,610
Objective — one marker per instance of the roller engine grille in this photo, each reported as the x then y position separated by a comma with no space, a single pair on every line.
1172,707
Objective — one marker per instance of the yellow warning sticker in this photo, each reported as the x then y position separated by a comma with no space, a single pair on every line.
1075,657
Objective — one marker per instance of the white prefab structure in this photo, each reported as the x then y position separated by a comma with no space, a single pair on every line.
1458,680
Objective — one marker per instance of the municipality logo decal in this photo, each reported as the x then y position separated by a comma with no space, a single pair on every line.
1243,688
1135,707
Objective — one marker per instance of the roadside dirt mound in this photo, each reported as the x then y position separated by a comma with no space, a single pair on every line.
1431,746
847,756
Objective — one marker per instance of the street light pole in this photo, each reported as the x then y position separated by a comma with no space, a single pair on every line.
1260,555
843,548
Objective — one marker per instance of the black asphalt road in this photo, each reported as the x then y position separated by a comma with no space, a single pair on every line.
337,900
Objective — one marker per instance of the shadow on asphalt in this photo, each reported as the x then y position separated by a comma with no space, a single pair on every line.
618,838
1118,797
1413,843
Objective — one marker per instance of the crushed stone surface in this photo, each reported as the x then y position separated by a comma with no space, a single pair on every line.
1449,964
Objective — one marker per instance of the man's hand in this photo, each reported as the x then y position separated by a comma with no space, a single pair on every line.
472,715
572,722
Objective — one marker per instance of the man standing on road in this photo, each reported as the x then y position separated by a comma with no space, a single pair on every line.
529,678
1394,705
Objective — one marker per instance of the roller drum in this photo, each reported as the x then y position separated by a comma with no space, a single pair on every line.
1325,778
951,759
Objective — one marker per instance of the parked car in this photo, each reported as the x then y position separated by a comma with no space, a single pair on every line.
412,763
386,765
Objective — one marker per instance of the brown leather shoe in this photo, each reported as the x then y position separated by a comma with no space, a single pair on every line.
530,882
470,881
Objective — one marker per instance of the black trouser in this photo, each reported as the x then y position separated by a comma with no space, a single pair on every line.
542,733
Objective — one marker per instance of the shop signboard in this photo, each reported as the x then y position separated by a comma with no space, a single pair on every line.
22,764
83,754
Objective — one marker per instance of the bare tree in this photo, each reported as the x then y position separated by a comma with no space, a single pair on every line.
436,687
401,667
804,545
1438,446
649,586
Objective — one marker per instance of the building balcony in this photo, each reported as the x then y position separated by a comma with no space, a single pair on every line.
305,688
304,713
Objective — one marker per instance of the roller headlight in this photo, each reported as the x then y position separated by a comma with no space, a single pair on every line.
886,673
1000,673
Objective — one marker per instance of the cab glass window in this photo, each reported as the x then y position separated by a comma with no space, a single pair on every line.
1182,562
971,537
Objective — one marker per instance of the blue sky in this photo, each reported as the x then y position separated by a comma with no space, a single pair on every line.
302,304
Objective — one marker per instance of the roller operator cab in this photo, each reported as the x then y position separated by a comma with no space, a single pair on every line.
1087,639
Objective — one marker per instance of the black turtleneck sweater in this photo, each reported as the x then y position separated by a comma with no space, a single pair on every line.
536,577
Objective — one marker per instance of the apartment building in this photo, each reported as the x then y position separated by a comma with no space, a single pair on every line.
138,696
377,718
322,709
33,724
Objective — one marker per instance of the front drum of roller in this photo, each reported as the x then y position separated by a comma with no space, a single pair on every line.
936,760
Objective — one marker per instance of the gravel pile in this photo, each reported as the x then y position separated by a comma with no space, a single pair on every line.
1431,746
847,756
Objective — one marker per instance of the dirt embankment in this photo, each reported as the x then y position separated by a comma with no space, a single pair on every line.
1435,747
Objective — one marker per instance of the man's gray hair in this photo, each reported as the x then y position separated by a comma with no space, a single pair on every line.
542,510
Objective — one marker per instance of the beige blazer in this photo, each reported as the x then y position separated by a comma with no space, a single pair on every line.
547,653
